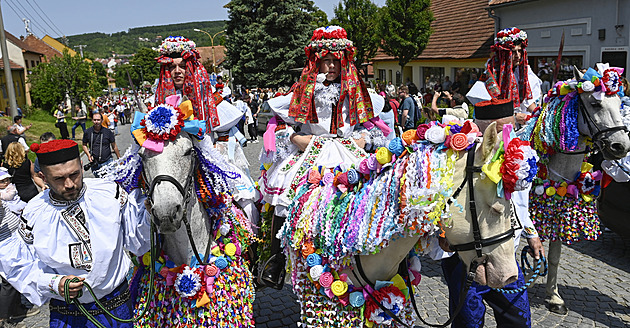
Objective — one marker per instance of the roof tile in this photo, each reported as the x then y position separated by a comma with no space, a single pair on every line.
461,29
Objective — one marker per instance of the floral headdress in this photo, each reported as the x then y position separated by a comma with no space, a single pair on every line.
500,78
334,40
197,87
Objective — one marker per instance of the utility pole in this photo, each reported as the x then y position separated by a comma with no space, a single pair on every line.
81,46
7,69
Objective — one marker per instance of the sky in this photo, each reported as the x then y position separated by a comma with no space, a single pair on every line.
70,17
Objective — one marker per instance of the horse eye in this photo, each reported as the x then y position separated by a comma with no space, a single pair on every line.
596,104
188,152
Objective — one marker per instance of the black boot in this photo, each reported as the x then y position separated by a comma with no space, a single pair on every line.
272,273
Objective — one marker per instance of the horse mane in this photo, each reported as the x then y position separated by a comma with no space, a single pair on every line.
554,128
213,177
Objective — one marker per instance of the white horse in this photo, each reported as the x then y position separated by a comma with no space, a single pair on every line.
600,120
497,270
198,231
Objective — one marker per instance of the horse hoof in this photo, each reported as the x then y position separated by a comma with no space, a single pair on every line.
558,309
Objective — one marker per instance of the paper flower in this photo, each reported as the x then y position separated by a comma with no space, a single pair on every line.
588,86
435,134
163,122
188,282
421,131
459,141
391,298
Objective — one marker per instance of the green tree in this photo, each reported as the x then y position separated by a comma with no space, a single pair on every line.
358,18
266,40
45,92
405,27
64,76
143,65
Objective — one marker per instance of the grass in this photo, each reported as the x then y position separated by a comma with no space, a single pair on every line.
42,121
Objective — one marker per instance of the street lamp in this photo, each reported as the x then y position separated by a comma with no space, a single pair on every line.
214,62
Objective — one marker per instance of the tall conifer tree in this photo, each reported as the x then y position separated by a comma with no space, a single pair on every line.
266,39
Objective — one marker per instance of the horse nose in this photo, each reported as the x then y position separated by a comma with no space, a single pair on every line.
617,148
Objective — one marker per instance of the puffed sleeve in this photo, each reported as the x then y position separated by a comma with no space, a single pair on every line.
136,223
229,115
521,204
280,106
22,268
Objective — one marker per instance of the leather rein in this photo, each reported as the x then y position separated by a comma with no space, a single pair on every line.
186,192
477,244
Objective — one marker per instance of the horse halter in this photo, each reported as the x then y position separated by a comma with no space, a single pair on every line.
478,243
186,192
593,127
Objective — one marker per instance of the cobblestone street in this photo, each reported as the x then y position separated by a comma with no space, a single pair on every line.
594,279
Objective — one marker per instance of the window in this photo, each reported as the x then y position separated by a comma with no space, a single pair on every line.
543,66
398,78
32,63
382,75
466,78
432,76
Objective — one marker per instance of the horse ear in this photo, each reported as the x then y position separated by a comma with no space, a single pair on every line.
577,74
490,138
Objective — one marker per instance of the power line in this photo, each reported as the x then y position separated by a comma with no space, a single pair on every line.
40,16
51,21
35,23
33,27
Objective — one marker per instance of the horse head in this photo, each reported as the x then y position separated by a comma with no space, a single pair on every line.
497,267
170,174
600,118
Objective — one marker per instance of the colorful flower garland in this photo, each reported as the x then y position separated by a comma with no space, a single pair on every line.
176,44
219,294
566,210
401,190
508,36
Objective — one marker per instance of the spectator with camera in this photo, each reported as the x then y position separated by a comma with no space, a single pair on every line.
457,105
98,145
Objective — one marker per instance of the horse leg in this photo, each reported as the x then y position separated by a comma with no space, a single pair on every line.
556,303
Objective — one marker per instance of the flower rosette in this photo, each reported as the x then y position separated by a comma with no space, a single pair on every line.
421,131
163,122
517,165
396,146
410,137
339,288
326,279
459,142
188,283
328,178
435,134
383,155
391,298
353,176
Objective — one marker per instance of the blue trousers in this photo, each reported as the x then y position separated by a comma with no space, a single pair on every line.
510,310
124,311
76,125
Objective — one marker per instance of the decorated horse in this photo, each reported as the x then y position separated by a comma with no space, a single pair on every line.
200,275
353,237
579,116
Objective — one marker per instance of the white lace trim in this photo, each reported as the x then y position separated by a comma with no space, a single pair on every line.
325,98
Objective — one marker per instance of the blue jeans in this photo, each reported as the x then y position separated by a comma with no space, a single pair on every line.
510,310
94,169
74,127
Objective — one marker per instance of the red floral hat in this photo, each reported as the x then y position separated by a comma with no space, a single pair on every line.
56,151
334,40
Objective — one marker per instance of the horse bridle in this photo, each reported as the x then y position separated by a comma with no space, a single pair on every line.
593,127
477,244
186,192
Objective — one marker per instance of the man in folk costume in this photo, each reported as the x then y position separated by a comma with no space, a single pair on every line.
507,92
182,73
76,229
329,101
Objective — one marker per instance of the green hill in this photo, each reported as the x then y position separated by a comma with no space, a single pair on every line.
101,45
